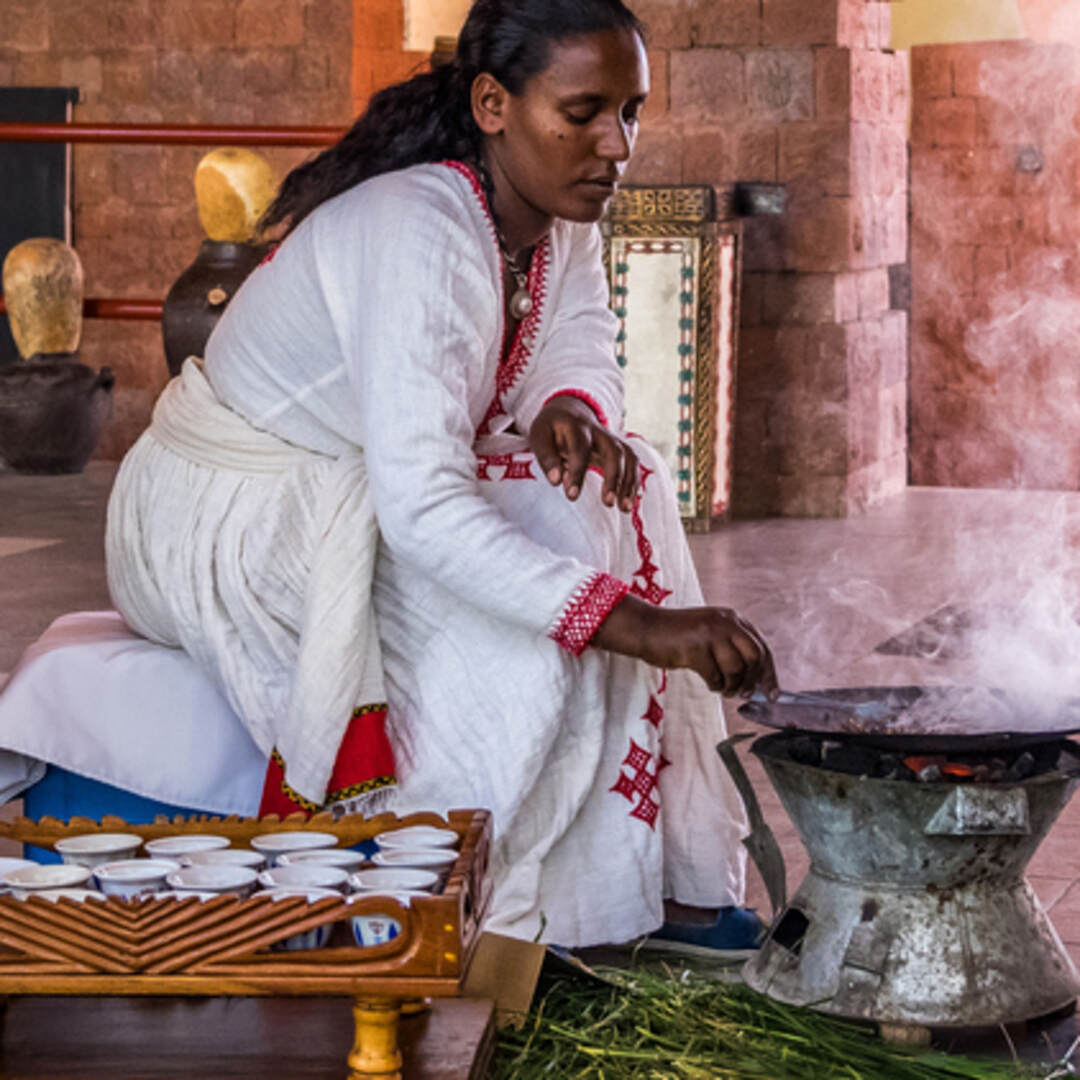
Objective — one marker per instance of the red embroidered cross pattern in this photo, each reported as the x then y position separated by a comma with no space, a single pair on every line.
654,713
641,783
650,590
513,470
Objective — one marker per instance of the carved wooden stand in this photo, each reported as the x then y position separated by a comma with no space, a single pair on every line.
166,947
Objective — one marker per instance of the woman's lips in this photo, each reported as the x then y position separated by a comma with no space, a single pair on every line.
600,184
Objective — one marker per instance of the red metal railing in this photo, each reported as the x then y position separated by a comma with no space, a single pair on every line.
96,308
160,135
171,134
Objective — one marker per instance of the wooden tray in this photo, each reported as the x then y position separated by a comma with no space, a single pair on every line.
221,946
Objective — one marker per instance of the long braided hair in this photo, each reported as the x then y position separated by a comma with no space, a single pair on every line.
429,117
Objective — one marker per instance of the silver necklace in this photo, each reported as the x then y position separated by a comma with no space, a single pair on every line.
521,302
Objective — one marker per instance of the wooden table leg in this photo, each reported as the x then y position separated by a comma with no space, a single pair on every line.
375,1054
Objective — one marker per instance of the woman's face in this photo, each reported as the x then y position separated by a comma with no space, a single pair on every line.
565,140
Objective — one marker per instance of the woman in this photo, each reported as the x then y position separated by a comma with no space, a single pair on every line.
380,406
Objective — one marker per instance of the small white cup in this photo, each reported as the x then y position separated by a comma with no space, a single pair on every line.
348,860
78,895
133,879
384,880
222,880
272,845
377,928
9,862
30,879
315,938
225,857
304,876
414,837
177,847
438,860
93,849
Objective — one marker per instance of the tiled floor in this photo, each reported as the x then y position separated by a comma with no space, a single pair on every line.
826,593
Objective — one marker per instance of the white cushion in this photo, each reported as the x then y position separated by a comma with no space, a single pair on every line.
94,698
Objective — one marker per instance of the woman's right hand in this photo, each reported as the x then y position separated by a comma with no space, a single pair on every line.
721,646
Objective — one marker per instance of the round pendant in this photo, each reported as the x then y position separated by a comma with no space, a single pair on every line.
520,304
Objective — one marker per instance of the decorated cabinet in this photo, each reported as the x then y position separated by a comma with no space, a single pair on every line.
673,259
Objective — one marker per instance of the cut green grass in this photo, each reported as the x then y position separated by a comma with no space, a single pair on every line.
676,1025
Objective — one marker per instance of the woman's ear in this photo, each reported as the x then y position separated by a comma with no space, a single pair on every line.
489,99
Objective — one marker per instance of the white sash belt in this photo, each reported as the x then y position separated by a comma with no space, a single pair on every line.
339,665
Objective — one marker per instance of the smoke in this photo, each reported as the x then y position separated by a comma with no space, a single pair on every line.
1001,572
1025,635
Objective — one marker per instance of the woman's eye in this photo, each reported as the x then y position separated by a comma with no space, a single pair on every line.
579,117
630,116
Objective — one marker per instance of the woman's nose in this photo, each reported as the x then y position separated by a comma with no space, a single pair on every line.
617,140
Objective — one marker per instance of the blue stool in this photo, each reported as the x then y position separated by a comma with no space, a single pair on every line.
64,795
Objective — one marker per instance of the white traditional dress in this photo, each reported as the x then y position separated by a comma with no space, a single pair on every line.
366,359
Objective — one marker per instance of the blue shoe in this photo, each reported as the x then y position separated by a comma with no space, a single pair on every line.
737,931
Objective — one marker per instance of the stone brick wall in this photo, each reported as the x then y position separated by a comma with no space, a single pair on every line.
801,92
995,265
379,57
804,93
196,61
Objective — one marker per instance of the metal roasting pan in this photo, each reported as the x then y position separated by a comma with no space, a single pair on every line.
919,719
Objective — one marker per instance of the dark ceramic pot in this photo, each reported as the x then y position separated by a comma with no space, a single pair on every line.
52,412
201,293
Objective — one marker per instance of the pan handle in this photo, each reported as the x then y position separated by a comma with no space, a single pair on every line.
761,843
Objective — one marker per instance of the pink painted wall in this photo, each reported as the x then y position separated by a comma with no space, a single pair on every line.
995,376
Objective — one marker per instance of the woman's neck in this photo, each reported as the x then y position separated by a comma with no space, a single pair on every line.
521,223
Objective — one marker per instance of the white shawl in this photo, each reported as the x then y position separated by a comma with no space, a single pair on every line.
339,664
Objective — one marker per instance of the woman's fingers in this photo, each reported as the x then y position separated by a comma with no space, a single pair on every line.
735,667
741,661
619,465
607,457
630,479
543,445
566,443
764,674
576,451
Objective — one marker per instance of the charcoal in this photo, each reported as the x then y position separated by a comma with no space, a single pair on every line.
806,750
1022,767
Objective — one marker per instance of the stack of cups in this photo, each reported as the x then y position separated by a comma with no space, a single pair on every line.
411,862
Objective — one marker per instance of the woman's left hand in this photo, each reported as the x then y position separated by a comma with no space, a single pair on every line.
567,439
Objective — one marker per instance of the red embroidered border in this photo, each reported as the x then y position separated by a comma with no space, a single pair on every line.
364,762
581,395
513,469
478,190
517,359
588,608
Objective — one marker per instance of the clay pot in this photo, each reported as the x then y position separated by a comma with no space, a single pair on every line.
52,412
43,287
199,296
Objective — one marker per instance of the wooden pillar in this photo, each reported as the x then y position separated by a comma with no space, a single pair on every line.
375,1054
